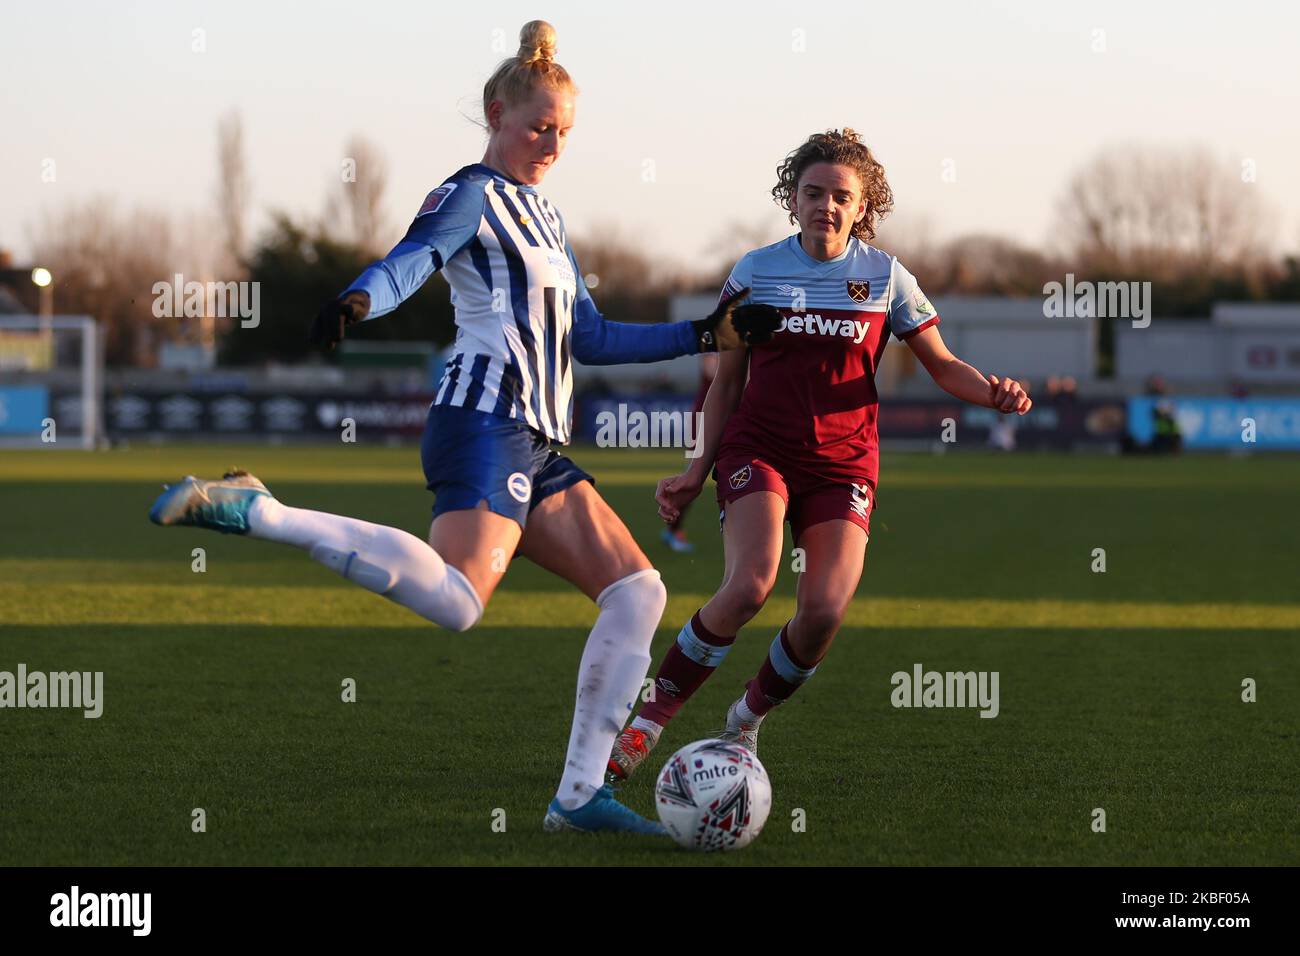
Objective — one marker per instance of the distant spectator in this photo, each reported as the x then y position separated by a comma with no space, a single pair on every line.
1167,439
1002,433
1061,388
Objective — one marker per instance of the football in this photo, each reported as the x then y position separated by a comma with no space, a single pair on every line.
713,795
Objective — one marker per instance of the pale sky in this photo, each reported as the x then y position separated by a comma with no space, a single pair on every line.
1011,95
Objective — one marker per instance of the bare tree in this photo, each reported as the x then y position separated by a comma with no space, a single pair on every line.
911,237
1162,212
232,187
739,236
365,180
627,282
616,262
105,264
981,264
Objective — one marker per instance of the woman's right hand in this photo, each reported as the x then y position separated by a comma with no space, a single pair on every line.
675,493
336,315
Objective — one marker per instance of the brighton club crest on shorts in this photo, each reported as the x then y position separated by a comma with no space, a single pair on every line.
859,290
741,478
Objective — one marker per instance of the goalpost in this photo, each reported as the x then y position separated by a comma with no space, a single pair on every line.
50,382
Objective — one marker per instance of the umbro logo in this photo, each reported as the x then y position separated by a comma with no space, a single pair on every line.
860,498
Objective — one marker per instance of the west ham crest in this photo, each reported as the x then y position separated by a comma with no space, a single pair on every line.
859,290
741,478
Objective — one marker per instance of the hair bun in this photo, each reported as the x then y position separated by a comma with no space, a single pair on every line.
536,42
532,68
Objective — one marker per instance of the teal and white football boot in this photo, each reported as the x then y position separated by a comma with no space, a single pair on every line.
219,505
601,814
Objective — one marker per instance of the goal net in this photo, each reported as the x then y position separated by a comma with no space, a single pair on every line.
50,382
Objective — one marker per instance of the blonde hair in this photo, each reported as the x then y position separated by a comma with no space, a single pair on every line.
844,147
532,67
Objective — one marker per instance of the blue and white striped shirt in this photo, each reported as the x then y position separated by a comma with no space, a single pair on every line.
523,313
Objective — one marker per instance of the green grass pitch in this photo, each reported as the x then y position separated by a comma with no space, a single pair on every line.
1119,691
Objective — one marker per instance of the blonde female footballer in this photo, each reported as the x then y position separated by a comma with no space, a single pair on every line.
504,404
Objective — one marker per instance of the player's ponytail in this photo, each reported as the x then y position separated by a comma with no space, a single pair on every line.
532,67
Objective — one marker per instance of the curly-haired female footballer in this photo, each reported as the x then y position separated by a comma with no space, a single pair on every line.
798,442
523,315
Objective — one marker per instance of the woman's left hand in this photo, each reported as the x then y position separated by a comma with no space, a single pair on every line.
1009,396
732,325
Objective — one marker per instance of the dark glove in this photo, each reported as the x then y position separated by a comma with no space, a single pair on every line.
730,325
336,315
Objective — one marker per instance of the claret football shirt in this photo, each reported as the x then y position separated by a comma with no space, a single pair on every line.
811,398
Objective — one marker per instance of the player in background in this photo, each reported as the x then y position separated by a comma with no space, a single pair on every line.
523,315
675,535
798,442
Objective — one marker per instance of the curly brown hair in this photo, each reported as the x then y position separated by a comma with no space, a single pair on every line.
846,148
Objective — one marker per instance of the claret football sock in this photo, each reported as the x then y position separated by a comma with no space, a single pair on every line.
687,665
385,560
780,675
613,666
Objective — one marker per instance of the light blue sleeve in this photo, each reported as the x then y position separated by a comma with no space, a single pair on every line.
909,310
597,341
445,224
741,278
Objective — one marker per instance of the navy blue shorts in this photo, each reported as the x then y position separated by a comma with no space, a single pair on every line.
471,456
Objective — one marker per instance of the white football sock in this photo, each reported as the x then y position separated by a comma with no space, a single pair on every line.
613,666
385,560
745,714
